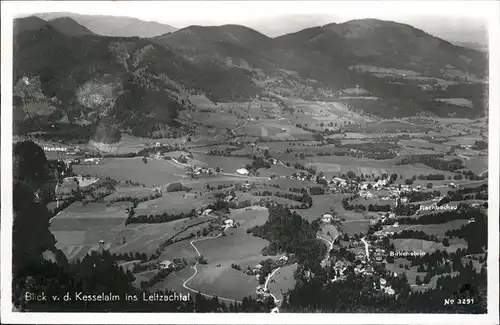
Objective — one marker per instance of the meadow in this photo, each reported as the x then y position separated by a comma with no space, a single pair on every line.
79,228
223,281
334,165
440,229
410,244
250,217
125,191
146,238
355,227
282,281
153,173
171,203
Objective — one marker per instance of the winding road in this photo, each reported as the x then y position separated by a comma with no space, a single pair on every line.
196,272
275,309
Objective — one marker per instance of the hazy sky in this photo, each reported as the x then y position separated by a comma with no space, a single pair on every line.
278,17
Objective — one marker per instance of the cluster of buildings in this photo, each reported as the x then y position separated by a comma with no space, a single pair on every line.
170,265
385,287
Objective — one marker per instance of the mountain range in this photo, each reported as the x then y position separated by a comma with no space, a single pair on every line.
68,71
113,25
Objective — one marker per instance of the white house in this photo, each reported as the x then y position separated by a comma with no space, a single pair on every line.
383,282
207,212
327,218
229,222
242,171
389,291
166,265
283,258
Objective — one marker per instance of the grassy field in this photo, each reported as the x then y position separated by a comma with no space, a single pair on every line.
328,232
174,282
228,164
440,229
146,238
355,227
333,165
155,172
180,249
427,246
236,247
477,164
282,281
78,229
124,190
172,203
223,281
274,129
250,217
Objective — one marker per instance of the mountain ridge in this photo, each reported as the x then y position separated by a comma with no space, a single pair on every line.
142,83
116,26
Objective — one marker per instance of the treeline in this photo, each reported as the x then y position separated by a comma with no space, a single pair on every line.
371,207
257,163
415,234
289,232
130,256
415,196
159,218
434,161
304,198
431,177
406,209
134,199
475,233
462,213
348,206
220,152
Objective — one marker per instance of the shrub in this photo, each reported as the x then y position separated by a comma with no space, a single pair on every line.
174,187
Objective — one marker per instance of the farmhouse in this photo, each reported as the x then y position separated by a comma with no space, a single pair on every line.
207,212
380,183
164,265
282,260
242,171
327,218
229,223
340,181
389,291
